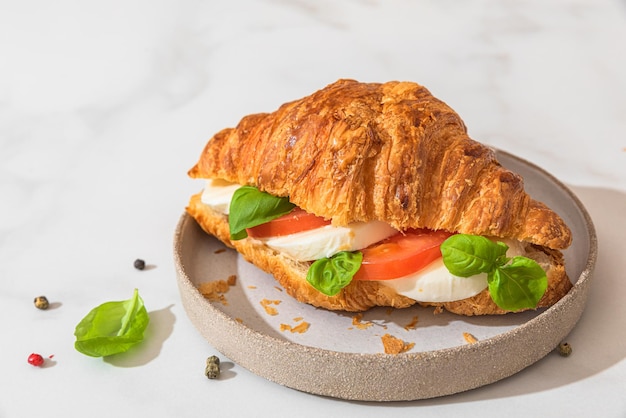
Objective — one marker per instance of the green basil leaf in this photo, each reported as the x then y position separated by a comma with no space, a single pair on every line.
518,285
468,255
112,327
251,207
330,275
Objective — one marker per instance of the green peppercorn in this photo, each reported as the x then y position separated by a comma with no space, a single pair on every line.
139,264
41,302
212,370
564,349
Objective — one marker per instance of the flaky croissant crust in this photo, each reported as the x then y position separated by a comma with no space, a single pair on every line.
392,152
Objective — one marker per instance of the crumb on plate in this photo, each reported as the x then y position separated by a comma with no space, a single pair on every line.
302,327
215,290
413,324
470,338
393,345
357,322
270,310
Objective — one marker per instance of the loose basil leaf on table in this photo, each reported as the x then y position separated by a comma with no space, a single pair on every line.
112,327
330,275
250,207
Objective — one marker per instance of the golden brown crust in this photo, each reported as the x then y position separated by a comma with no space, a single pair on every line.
358,295
392,152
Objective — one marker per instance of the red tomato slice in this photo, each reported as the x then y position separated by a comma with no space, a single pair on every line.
297,220
401,255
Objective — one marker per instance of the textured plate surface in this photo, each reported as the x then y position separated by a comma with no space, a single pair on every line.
256,324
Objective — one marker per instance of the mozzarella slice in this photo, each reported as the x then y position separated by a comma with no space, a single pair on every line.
328,240
218,193
436,284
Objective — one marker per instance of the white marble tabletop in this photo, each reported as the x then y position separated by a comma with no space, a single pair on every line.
104,106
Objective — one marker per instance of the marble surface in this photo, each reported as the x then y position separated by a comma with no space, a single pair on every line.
104,106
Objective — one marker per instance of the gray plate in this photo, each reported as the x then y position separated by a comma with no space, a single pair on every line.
342,356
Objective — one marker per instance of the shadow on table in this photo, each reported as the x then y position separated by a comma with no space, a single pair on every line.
159,329
597,340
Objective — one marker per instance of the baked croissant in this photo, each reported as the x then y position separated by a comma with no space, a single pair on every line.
362,152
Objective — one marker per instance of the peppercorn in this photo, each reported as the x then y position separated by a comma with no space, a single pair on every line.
139,264
564,349
35,359
212,370
41,302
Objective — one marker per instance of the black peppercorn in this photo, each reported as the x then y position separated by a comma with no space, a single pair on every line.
139,264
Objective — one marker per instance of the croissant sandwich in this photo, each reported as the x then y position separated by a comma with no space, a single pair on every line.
368,194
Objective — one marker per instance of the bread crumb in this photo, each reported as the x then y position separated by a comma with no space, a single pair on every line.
469,338
215,290
438,310
251,287
278,288
232,280
393,345
298,319
270,310
356,321
239,320
219,251
302,327
412,324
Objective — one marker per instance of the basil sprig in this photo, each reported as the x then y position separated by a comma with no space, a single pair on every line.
514,283
112,328
250,207
330,275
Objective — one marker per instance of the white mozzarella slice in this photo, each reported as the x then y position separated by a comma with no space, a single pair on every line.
436,284
218,193
328,240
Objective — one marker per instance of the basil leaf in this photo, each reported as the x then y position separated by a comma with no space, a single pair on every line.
514,286
468,255
251,207
518,285
330,275
112,327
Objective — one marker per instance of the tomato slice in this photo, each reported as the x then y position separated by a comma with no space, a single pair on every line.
400,255
298,220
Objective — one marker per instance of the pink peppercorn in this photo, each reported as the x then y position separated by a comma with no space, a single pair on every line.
35,360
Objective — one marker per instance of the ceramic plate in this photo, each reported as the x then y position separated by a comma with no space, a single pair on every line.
258,326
